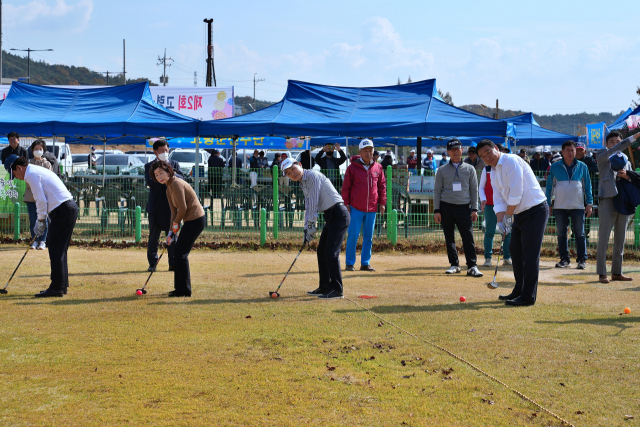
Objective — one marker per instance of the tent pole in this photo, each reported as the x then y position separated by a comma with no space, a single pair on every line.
397,158
346,149
234,152
419,153
196,174
104,158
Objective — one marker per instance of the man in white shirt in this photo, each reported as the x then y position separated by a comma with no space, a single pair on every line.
53,203
521,208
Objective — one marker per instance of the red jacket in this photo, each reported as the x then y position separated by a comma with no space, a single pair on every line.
364,189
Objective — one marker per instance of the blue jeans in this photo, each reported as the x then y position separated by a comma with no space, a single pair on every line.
491,220
562,222
33,217
365,221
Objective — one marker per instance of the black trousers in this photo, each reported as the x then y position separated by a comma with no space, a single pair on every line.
526,243
155,228
337,221
63,220
186,238
459,215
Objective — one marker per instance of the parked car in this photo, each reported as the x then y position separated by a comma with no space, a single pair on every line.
145,158
120,164
187,156
98,152
80,162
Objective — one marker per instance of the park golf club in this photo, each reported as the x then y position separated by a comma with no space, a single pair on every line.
142,290
276,294
493,284
4,290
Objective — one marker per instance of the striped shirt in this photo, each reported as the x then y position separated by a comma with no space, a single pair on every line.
319,194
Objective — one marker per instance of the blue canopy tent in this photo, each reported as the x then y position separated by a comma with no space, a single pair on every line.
390,111
619,122
529,132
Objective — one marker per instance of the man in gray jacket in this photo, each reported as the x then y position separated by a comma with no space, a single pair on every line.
609,217
455,198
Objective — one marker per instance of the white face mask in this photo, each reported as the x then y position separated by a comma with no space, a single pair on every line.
336,154
163,156
38,153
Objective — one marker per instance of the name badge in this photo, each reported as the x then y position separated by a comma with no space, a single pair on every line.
457,186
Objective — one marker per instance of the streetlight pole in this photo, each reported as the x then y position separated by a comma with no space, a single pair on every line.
254,88
29,59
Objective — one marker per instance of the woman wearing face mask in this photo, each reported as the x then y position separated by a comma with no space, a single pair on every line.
38,149
186,207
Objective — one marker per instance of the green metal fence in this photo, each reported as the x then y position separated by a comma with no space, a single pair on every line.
259,205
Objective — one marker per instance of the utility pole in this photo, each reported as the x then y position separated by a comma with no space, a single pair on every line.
496,117
163,61
124,63
195,77
29,59
254,87
0,42
107,73
211,71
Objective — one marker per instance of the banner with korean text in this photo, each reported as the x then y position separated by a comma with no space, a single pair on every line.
252,142
596,134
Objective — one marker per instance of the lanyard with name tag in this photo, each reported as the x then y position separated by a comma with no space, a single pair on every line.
457,186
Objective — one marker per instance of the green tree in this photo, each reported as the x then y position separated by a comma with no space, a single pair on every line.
409,80
446,97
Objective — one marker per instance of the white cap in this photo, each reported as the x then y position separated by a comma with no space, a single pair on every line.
365,143
429,151
286,164
412,151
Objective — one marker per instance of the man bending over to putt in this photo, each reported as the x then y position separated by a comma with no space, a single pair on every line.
521,208
321,196
53,203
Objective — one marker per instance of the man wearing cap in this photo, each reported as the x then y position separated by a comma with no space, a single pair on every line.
609,217
443,160
474,160
538,164
412,160
521,209
428,163
329,159
55,204
216,169
364,193
321,196
570,182
455,201
14,147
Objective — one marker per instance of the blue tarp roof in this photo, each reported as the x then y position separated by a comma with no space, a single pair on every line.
529,132
395,111
619,122
112,111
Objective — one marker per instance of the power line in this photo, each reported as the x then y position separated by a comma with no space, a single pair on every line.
163,61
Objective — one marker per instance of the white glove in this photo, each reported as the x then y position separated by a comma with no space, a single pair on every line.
171,238
40,227
309,232
506,224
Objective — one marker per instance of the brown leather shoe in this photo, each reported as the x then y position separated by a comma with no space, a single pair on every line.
603,279
621,277
367,268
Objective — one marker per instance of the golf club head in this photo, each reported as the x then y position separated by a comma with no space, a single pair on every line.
493,285
274,295
3,291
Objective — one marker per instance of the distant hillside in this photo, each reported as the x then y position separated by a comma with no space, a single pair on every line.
246,102
565,123
42,73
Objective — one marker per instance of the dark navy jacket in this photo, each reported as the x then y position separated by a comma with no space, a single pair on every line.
628,196
158,204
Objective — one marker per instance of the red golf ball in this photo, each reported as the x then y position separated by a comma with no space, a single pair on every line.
138,292
274,295
462,299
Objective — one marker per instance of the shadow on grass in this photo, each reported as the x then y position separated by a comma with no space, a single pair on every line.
93,273
393,309
235,300
13,248
622,322
75,301
463,267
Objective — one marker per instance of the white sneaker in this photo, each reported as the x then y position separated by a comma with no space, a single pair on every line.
34,245
487,262
453,270
507,261
42,246
473,271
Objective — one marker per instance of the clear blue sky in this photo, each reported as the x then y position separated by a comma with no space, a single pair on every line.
546,57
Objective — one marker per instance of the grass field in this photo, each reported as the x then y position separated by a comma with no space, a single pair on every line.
230,355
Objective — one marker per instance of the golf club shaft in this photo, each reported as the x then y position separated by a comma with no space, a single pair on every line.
498,263
154,267
22,259
287,273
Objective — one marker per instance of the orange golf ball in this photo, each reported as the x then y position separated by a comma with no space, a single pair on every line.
627,310
274,295
462,299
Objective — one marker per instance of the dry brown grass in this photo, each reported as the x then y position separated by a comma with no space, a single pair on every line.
103,356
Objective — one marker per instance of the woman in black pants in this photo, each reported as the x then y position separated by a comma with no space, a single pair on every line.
186,207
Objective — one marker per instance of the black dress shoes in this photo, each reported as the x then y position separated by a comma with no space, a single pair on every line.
180,293
367,268
50,293
508,297
317,292
520,302
349,268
